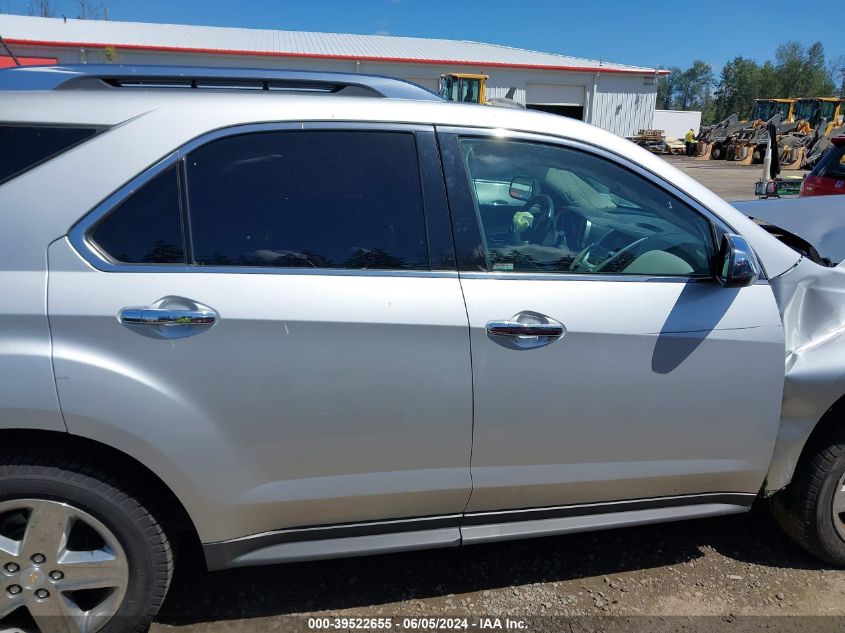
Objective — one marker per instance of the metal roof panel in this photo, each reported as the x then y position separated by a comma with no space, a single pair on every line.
210,39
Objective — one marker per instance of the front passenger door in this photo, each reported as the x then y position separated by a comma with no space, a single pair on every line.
608,364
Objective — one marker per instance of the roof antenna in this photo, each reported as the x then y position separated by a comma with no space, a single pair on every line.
9,52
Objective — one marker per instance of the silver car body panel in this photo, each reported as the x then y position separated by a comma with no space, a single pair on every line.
269,419
27,391
812,303
547,429
811,299
394,440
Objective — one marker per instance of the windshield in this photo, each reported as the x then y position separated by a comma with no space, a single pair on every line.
805,109
764,110
784,110
470,89
828,110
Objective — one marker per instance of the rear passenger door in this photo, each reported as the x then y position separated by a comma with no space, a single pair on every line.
272,316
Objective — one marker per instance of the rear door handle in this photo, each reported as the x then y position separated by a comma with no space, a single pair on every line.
168,318
161,316
515,328
526,330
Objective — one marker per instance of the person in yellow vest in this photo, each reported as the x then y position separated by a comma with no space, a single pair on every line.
690,141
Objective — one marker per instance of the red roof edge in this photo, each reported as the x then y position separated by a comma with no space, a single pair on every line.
222,51
8,62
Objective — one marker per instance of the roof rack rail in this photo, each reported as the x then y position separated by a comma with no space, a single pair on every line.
106,76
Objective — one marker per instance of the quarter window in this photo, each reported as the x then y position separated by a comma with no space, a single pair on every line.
546,208
147,227
23,147
321,199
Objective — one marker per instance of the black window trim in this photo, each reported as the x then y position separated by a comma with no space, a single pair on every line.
95,129
440,246
467,232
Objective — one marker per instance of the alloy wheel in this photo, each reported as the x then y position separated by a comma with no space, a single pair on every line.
61,564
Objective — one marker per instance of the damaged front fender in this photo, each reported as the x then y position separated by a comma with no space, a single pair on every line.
811,299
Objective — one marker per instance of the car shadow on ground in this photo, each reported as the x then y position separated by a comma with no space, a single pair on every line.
362,582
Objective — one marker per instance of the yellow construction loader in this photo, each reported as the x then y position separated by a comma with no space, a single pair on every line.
713,142
816,119
748,144
464,87
470,88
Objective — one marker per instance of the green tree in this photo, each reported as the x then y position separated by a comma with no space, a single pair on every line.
803,72
667,89
662,93
694,86
818,75
689,89
768,82
739,85
836,69
790,60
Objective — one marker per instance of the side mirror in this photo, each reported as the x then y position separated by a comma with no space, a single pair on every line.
522,188
737,266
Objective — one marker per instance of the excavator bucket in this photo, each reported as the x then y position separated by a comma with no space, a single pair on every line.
744,154
711,137
703,149
792,157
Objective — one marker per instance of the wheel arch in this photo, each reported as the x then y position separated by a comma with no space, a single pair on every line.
138,478
797,441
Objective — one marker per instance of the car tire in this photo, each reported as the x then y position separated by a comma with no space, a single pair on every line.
805,508
106,515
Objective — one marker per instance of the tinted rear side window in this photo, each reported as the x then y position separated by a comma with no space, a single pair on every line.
147,227
322,199
23,147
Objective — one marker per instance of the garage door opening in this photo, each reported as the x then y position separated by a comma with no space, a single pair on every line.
572,111
560,99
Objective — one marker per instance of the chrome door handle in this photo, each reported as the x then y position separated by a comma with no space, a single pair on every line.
515,328
168,318
525,330
161,316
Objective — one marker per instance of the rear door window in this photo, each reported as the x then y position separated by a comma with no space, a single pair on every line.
308,199
23,147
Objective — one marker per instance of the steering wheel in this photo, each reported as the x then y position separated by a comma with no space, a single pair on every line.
582,264
546,204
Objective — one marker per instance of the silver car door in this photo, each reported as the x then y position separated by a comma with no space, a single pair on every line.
608,364
301,357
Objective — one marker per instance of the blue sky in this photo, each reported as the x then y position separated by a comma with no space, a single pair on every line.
640,32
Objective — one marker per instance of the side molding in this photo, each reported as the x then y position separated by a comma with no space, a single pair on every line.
381,537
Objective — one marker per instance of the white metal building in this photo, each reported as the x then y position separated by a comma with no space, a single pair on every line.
617,97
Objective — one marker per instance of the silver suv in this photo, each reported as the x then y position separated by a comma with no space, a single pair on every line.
288,316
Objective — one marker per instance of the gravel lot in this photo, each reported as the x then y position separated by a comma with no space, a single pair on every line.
731,181
735,573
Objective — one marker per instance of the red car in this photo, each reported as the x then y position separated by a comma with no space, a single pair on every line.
828,176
